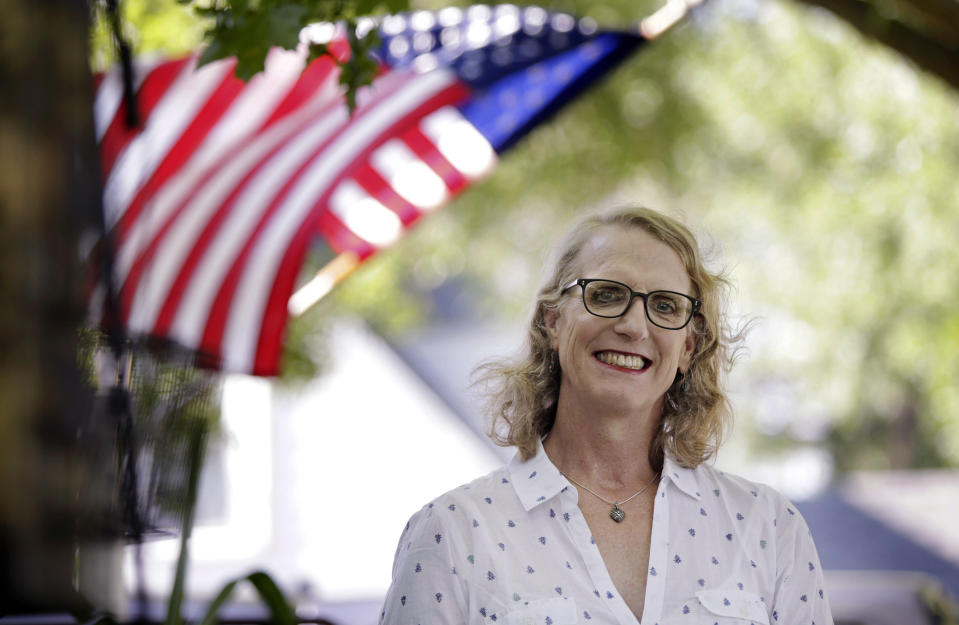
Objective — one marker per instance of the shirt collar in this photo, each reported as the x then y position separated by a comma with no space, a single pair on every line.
536,479
685,479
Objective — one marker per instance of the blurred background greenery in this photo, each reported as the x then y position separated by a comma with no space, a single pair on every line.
819,164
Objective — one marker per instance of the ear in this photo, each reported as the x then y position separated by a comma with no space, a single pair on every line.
689,346
550,321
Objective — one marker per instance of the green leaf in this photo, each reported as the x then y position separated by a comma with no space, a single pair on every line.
280,611
273,598
210,617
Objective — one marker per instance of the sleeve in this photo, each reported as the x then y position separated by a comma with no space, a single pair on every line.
800,597
427,589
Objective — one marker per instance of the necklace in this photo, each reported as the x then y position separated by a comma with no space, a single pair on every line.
616,513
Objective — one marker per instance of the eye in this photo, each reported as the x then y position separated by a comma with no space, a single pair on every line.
665,304
605,294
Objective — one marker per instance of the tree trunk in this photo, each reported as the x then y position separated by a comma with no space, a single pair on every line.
49,194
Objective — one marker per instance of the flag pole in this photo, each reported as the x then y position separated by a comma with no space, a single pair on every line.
337,269
666,17
322,283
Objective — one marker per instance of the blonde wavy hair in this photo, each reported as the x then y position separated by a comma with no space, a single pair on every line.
524,391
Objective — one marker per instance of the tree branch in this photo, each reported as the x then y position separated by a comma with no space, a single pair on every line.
929,53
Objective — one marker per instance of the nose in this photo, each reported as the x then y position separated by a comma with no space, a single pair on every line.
634,322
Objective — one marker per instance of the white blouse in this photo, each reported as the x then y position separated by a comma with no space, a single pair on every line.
513,547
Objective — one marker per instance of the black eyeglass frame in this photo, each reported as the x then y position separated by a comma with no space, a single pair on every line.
582,282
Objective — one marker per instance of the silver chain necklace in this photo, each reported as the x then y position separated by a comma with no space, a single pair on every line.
616,513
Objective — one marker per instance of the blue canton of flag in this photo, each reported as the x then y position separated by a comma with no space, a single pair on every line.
521,63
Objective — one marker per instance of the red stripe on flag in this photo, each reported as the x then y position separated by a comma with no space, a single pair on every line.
211,229
207,117
217,319
423,146
315,76
118,135
341,238
276,316
377,186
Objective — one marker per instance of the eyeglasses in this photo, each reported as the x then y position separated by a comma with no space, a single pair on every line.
607,298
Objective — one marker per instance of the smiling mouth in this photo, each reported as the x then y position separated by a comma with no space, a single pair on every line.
624,361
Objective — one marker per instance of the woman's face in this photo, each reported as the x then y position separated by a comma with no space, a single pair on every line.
625,363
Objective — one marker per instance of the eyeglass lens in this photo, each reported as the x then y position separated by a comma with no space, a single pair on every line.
610,299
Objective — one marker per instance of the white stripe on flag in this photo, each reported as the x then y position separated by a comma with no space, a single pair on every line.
459,142
173,113
110,93
152,290
409,176
364,215
245,213
243,326
254,104
190,319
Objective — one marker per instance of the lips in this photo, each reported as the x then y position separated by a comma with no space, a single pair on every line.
633,362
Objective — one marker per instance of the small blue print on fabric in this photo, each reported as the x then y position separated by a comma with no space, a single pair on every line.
438,538
532,475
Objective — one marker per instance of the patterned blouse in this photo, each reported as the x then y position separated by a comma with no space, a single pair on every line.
513,547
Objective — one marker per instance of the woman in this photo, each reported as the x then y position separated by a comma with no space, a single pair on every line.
609,513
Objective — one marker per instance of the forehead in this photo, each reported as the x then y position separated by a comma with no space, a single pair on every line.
632,255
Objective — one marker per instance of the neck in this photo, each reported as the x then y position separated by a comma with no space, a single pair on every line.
606,449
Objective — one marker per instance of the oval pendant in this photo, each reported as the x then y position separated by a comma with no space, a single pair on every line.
617,514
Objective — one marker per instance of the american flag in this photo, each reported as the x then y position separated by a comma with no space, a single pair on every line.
215,199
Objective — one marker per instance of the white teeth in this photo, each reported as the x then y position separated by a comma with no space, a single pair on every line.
622,360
